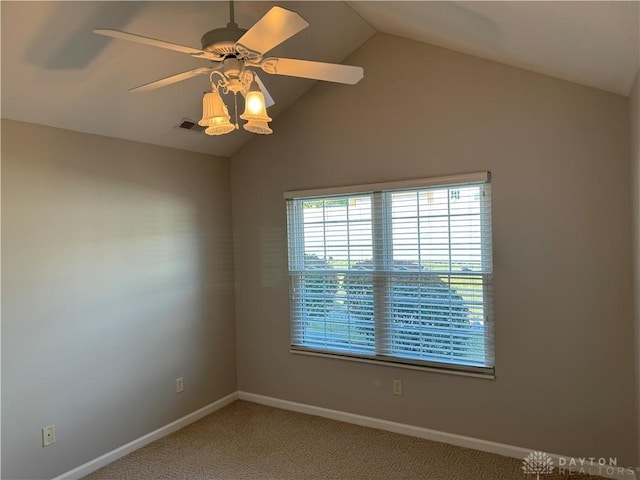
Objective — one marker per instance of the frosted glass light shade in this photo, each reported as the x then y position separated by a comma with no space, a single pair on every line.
255,105
257,126
255,111
215,115
220,128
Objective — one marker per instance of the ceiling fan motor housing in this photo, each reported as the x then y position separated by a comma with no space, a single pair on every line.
233,67
222,40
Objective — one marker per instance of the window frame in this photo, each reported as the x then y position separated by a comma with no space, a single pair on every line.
381,227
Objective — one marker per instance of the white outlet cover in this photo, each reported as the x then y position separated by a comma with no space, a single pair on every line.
397,387
48,435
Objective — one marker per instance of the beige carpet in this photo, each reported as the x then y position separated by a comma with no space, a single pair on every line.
249,441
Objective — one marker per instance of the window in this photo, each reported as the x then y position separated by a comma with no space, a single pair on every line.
398,272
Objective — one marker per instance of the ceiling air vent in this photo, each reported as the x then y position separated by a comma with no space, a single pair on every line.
187,124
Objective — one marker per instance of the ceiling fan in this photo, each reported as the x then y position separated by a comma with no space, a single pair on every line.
235,53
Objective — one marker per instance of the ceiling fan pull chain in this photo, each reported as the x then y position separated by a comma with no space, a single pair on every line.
235,101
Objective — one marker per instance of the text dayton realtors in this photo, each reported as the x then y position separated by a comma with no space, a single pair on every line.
592,465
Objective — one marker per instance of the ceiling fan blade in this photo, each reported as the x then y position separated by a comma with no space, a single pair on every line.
276,26
163,82
194,52
268,100
329,72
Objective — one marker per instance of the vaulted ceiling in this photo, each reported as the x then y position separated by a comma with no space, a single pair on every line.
56,72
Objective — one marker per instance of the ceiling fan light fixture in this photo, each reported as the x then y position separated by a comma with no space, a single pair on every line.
237,51
215,115
222,128
255,111
257,126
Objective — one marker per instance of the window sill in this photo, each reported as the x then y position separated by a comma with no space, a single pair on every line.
443,370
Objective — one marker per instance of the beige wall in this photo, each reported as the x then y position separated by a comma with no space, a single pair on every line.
116,280
634,107
559,154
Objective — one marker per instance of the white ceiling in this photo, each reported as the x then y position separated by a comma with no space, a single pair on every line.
591,43
56,72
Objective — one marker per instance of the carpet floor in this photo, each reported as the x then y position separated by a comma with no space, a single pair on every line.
249,441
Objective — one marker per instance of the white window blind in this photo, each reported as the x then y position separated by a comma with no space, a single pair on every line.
397,275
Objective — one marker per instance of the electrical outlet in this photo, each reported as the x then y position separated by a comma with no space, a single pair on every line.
179,385
397,387
48,435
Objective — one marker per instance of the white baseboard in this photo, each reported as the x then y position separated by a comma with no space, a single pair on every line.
428,434
112,456
404,429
